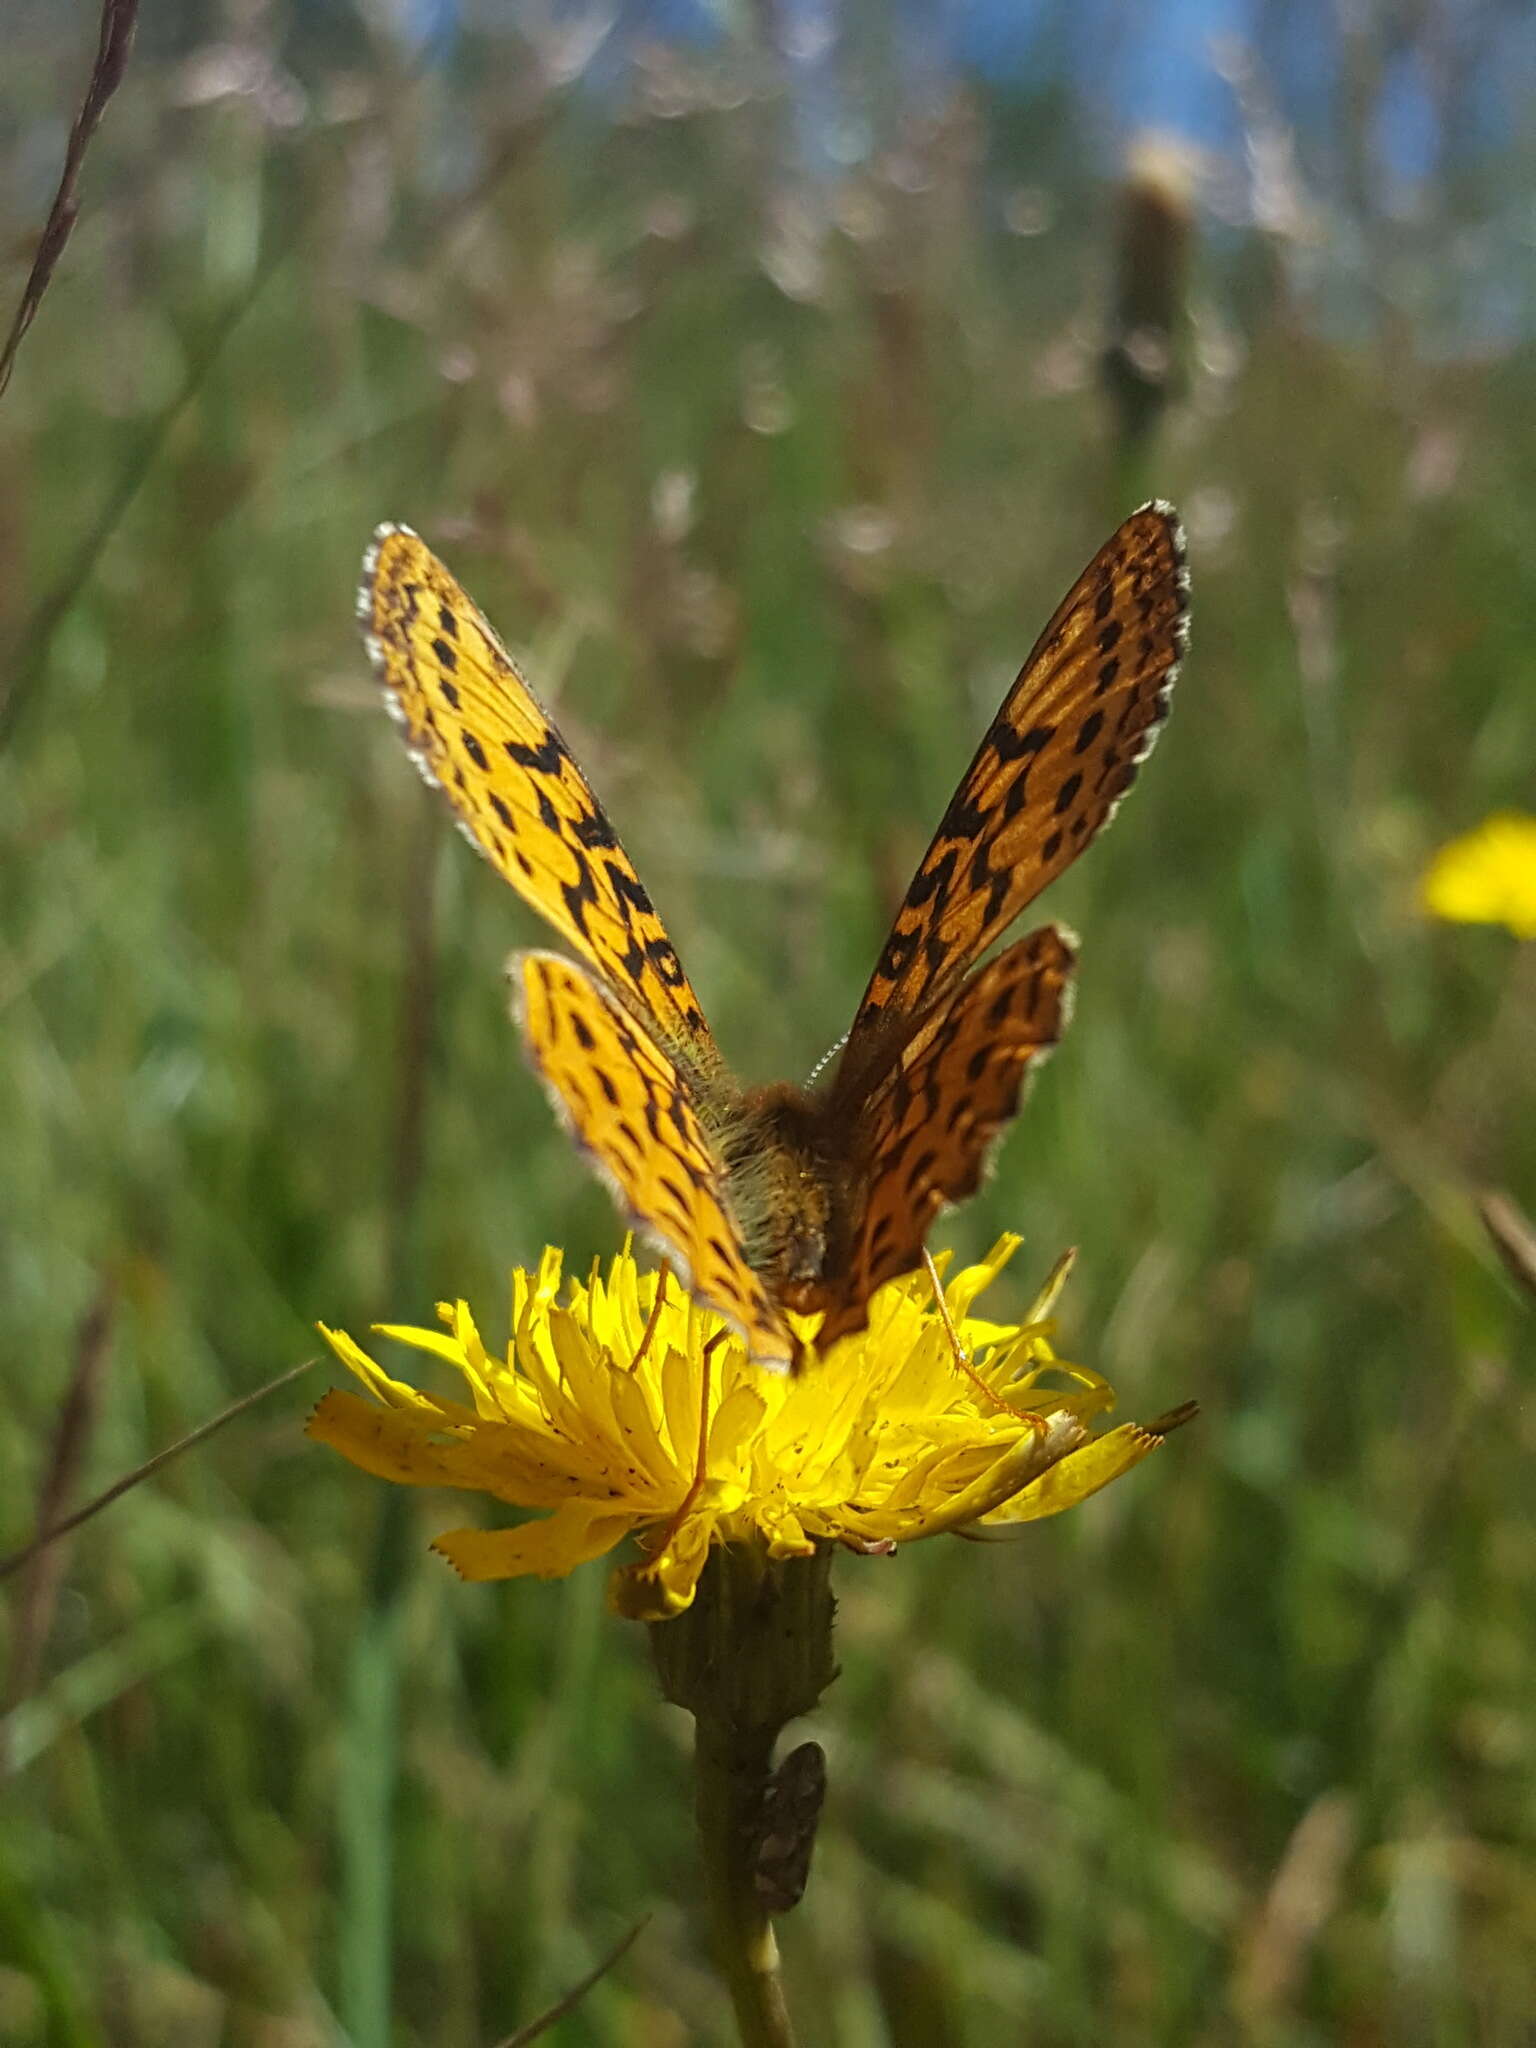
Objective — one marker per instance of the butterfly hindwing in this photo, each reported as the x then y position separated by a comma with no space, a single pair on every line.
632,1112
1062,751
478,733
929,1127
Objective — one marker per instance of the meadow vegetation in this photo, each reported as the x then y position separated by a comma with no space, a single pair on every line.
770,476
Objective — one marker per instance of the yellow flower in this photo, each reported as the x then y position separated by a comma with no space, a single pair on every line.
1488,876
594,1416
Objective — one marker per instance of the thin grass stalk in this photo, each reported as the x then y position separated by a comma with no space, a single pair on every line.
370,1783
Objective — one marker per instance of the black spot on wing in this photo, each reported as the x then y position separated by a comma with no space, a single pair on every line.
544,759
1009,745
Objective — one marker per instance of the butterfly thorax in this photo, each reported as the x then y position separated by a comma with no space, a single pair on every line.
788,1179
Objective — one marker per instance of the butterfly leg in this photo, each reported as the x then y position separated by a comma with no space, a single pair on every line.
663,1275
962,1363
696,1486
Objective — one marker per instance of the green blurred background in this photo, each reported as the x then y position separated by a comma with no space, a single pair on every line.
756,385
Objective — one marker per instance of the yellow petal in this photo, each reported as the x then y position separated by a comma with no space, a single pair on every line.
473,1362
383,1441
974,1280
437,1342
1080,1473
526,1468
397,1393
665,1585
634,1417
1044,1303
785,1532
736,1421
545,1549
1034,1451
1028,1457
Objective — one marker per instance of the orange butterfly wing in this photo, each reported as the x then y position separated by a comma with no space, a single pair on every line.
477,732
935,1062
632,1112
926,1134
1057,759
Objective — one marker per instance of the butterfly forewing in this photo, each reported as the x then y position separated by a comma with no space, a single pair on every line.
477,732
1057,759
927,1131
631,1111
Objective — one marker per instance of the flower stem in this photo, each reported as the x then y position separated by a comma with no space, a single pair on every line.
731,1775
752,1653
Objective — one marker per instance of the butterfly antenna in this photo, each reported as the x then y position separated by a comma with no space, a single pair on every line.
957,1351
827,1058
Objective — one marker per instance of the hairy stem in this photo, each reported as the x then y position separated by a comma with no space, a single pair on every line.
731,1775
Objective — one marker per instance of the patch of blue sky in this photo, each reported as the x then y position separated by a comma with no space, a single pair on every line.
1405,129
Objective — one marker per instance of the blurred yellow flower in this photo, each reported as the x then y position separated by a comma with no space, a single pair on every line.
595,1416
1488,876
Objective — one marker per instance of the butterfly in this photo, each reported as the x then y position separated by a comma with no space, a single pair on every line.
782,1200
